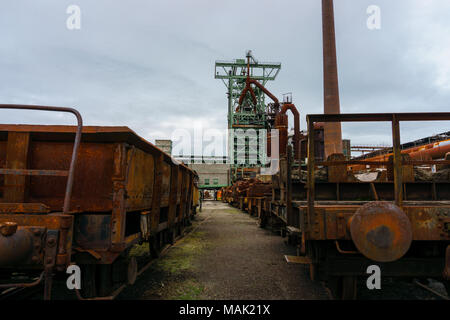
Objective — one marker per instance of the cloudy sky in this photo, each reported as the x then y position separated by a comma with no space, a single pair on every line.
149,65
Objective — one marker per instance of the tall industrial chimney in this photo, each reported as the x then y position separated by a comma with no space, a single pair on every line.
332,130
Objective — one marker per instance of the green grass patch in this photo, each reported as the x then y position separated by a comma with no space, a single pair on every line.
189,290
180,257
140,250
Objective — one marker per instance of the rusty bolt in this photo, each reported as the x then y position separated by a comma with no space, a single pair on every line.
51,242
35,259
8,228
49,260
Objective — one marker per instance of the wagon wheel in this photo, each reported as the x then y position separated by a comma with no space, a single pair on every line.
155,246
312,271
132,270
179,228
349,287
261,222
104,279
343,288
172,235
447,286
88,281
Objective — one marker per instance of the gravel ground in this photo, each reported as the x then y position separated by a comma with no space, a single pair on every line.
226,256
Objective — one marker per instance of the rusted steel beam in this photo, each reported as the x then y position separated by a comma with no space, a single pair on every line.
369,117
289,215
119,193
184,191
340,162
156,200
173,195
16,159
397,162
332,131
23,208
281,124
310,178
381,163
33,172
189,195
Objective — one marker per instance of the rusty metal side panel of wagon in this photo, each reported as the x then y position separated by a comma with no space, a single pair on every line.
119,178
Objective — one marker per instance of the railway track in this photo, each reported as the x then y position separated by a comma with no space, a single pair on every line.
431,290
394,289
21,293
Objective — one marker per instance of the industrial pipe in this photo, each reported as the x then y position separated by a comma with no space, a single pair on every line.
247,87
244,92
284,109
248,82
435,150
267,92
431,151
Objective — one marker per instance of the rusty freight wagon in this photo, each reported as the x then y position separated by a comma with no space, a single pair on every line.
85,195
396,221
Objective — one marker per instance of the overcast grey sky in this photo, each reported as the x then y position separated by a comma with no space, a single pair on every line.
149,65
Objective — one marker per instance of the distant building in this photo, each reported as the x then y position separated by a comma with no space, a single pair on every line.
164,145
346,149
215,175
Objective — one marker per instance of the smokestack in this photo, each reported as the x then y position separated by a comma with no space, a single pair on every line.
332,131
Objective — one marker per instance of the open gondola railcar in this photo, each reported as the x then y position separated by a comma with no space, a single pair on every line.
85,196
396,222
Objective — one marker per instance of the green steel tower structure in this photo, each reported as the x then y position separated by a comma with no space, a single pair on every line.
250,115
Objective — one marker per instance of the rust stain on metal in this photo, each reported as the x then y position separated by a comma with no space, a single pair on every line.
8,228
381,231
